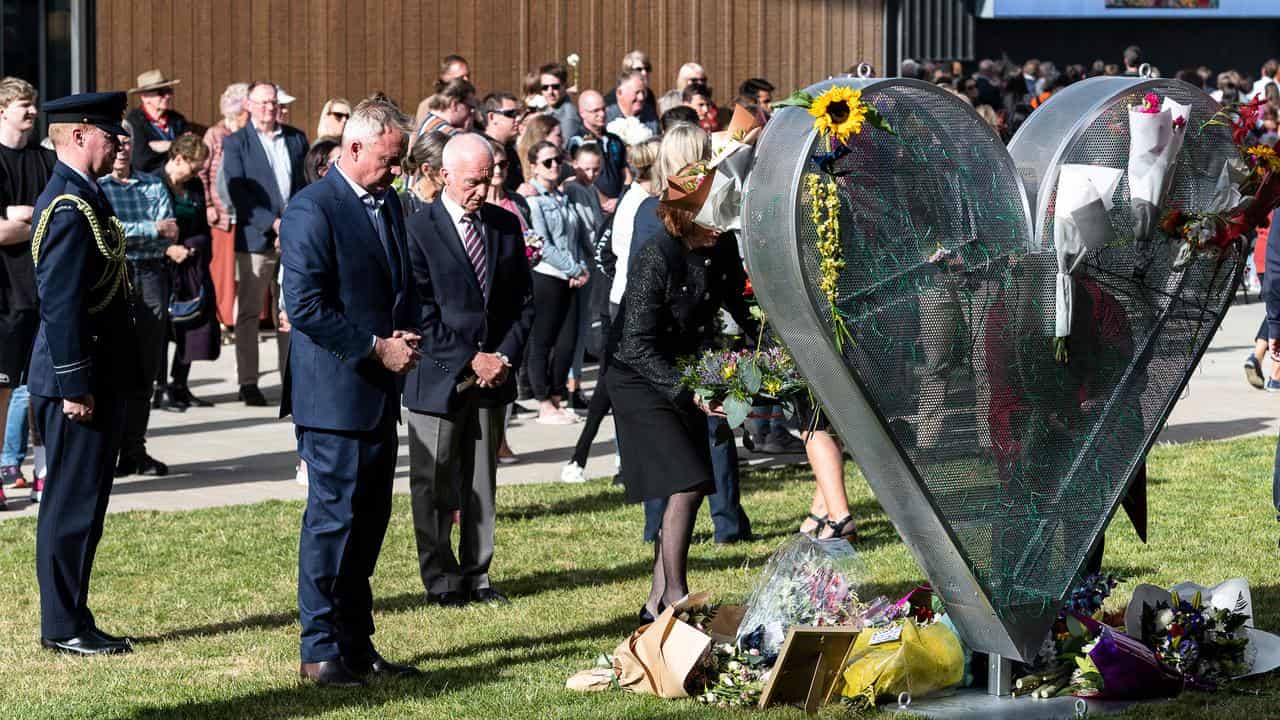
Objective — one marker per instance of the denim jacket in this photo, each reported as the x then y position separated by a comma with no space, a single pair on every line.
565,247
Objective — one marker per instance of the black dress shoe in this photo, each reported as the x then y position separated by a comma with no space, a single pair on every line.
87,643
378,666
252,396
488,596
99,632
645,616
126,466
330,673
164,400
577,401
182,393
147,465
448,598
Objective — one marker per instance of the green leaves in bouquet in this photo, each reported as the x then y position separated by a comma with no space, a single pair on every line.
751,376
798,98
736,410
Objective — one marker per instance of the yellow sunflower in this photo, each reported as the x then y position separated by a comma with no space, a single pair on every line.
1265,157
839,112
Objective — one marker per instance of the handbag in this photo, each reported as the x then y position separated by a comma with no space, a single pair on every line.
188,311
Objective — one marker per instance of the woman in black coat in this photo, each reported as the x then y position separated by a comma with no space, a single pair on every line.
676,285
198,337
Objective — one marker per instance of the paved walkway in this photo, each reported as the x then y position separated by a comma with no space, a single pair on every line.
231,454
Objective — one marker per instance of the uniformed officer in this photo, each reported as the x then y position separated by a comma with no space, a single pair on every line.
82,365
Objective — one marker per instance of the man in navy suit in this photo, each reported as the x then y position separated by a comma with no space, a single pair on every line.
263,165
83,366
473,283
352,303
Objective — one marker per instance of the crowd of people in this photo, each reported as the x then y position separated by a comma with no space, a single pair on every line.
455,261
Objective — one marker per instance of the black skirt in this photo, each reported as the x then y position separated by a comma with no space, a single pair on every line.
664,448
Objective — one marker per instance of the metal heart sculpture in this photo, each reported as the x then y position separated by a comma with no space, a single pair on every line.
999,467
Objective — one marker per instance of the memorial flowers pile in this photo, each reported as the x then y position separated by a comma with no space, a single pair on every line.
732,677
739,379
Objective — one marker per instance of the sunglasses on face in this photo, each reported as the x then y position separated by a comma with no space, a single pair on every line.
552,86
340,115
512,113
642,68
698,80
550,162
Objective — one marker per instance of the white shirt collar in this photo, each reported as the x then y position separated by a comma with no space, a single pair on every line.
84,175
454,209
358,189
270,135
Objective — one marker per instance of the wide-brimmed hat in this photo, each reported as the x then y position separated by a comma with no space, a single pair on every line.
153,80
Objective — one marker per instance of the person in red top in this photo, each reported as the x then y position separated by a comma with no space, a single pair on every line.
154,123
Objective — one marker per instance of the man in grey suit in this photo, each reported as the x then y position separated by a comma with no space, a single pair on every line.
472,277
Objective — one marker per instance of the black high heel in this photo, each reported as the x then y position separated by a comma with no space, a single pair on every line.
842,530
645,616
822,522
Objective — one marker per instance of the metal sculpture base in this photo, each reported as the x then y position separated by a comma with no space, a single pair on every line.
976,704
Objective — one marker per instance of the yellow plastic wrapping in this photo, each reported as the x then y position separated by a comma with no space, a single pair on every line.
918,661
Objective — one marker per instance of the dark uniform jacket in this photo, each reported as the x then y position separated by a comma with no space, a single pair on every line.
80,348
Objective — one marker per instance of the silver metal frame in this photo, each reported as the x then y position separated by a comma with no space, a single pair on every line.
778,279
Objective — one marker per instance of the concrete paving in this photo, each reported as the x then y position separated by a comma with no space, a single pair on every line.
231,454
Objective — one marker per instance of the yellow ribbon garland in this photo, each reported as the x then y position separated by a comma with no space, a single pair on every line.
110,243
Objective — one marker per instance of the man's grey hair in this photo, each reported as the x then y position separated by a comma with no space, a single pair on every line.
464,146
372,118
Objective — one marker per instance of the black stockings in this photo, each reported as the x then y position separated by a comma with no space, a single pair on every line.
671,549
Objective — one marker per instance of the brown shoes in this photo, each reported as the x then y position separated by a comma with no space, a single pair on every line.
330,673
340,673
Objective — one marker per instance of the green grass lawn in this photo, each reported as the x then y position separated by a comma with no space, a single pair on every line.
212,595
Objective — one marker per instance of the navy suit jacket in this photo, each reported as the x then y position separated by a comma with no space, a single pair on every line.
252,184
341,289
456,319
77,353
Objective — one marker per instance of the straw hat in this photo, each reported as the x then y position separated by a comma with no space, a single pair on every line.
153,80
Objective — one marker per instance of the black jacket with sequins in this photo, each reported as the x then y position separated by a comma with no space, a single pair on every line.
671,306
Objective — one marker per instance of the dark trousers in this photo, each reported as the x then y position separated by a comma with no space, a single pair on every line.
151,286
552,339
82,458
349,478
600,403
729,520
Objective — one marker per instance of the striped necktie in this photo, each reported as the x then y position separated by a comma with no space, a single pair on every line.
475,250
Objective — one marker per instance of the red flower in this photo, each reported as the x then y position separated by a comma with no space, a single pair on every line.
748,290
1175,630
1172,222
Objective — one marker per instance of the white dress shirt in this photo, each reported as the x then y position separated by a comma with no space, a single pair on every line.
278,157
455,215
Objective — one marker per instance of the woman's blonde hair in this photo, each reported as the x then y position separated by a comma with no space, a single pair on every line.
642,157
682,145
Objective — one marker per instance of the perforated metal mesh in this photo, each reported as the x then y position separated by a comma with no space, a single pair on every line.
1024,459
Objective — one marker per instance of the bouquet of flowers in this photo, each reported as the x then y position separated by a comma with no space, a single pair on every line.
532,247
806,582
1156,131
732,677
741,378
1247,190
1205,644
629,129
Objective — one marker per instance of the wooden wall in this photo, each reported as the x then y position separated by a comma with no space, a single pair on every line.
317,49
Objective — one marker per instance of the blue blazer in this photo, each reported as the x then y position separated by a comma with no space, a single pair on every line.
456,319
252,184
341,288
78,353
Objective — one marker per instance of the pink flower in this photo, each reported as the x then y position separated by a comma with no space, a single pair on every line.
1179,123
1150,104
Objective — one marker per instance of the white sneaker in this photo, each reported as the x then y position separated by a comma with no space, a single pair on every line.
572,472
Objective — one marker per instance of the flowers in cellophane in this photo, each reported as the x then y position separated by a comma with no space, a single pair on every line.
1205,644
532,247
